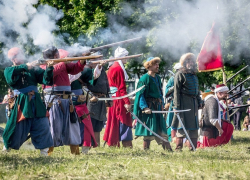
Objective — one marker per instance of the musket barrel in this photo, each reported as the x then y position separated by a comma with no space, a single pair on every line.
114,44
238,93
66,59
239,84
116,59
236,73
241,106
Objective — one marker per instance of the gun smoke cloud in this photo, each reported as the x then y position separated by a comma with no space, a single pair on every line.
171,28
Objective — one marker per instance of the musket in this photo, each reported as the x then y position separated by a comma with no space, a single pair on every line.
237,73
238,93
115,59
114,44
239,84
68,59
241,106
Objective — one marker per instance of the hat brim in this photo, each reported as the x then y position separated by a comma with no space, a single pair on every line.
147,63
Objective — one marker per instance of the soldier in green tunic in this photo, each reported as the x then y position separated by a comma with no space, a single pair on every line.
148,99
187,96
29,113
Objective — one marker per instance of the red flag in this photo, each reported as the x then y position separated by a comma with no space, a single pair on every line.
210,57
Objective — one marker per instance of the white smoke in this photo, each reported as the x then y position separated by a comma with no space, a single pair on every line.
21,22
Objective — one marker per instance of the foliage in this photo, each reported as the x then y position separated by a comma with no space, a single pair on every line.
226,162
99,22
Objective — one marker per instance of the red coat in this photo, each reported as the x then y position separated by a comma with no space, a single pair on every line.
88,133
220,140
61,71
117,113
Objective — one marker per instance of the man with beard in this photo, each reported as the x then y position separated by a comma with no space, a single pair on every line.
148,99
187,96
64,130
29,113
215,129
119,123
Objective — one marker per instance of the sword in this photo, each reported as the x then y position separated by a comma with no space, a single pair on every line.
121,97
178,116
171,72
148,127
177,111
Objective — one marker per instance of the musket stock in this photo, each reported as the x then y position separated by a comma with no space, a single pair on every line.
115,59
68,59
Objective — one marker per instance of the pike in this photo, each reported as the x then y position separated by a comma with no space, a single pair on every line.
238,93
236,73
44,61
114,44
115,59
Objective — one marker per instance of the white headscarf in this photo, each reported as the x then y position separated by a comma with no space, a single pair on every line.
177,66
121,52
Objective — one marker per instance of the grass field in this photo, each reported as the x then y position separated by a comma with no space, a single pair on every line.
231,161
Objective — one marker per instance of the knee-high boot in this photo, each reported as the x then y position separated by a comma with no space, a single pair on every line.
146,144
74,149
179,143
194,141
97,138
50,151
166,146
127,144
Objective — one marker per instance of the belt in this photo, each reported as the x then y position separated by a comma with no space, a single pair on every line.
99,94
189,95
154,100
64,94
58,92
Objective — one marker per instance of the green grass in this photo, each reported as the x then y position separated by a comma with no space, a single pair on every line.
231,161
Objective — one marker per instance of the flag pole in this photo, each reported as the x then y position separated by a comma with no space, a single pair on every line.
225,82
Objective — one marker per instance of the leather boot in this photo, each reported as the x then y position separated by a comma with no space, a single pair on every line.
127,144
74,149
194,141
179,144
167,146
146,144
97,138
50,151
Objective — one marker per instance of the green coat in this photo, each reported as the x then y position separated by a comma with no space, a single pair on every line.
19,77
186,96
155,122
